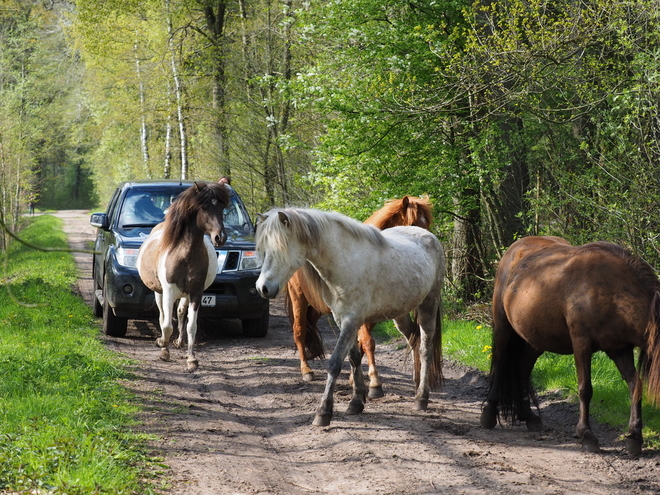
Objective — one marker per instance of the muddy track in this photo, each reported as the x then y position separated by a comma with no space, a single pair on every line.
242,423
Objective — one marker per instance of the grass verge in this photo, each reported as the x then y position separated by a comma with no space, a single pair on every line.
470,343
64,417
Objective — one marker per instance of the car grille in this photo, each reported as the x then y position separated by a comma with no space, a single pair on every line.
231,261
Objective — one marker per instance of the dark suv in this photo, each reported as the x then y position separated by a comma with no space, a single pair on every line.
120,293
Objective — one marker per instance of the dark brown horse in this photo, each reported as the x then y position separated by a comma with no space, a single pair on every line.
178,261
305,306
551,296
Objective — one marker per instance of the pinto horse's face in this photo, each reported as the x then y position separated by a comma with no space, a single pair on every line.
210,220
281,252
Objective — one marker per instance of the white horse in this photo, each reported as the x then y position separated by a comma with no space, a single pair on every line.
364,275
178,261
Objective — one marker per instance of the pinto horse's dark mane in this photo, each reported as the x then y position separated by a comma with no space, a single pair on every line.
182,214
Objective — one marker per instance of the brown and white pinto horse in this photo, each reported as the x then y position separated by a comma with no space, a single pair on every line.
177,261
551,296
305,305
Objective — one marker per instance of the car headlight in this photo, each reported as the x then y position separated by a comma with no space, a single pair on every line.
127,257
250,261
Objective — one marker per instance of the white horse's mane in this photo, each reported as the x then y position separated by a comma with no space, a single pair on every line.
307,226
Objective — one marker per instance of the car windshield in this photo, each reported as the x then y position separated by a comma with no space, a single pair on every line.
143,208
236,217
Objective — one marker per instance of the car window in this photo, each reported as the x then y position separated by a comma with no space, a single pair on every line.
236,217
145,207
112,205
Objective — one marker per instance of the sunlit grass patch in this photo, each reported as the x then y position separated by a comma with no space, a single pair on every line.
65,420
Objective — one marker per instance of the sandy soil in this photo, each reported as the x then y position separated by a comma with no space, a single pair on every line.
242,423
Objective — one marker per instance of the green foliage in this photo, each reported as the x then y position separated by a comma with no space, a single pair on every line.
64,417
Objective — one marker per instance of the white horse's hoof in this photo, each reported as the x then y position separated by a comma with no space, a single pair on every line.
192,365
160,342
178,344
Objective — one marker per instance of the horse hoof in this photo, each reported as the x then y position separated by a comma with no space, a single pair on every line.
322,420
192,365
376,392
178,344
160,342
308,377
489,417
634,446
590,443
421,404
534,424
164,354
356,406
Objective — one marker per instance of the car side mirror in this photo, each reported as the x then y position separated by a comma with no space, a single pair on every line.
100,221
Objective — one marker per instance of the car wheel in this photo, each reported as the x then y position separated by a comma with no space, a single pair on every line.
114,326
97,307
257,327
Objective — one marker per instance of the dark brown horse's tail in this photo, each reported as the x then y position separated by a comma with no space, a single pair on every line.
514,392
650,360
313,341
436,378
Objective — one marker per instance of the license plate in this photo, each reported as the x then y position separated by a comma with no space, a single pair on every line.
208,300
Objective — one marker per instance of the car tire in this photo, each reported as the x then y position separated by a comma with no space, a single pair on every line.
113,326
256,327
97,307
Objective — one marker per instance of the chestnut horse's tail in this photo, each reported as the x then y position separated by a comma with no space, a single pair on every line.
313,341
512,391
435,373
650,360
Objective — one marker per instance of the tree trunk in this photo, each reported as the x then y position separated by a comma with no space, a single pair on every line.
178,92
215,22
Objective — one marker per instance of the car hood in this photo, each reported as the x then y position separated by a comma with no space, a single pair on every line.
133,238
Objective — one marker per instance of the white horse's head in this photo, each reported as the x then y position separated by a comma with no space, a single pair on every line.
283,243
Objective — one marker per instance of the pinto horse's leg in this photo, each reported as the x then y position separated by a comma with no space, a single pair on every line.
165,307
191,327
181,312
346,341
582,354
368,346
625,362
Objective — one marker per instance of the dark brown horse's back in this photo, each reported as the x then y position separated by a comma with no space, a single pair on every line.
550,291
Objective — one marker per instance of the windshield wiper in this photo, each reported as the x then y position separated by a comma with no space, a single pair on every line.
137,225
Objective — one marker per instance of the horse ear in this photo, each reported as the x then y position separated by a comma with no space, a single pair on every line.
196,187
405,201
283,218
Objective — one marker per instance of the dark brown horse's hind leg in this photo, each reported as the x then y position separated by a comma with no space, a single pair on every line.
625,362
582,354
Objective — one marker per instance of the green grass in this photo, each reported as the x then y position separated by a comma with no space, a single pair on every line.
470,343
65,419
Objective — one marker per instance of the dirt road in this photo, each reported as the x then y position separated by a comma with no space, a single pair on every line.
242,423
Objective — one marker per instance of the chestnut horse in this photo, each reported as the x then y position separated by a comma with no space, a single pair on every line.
178,261
305,306
551,296
364,275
